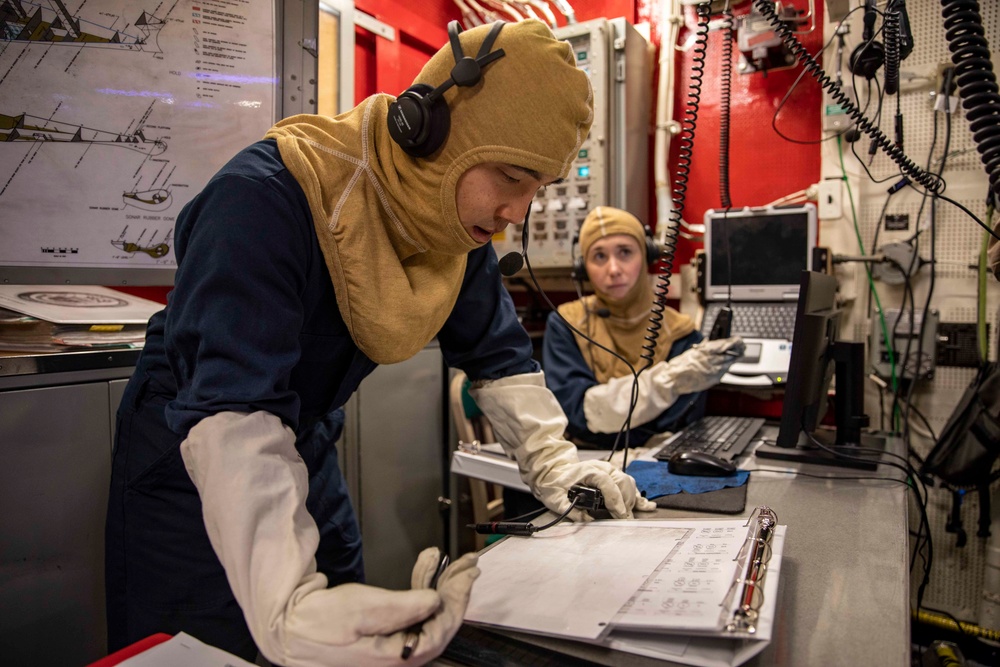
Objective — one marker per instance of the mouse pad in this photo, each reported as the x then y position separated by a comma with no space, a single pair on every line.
726,495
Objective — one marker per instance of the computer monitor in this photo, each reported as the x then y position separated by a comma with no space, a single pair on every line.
817,356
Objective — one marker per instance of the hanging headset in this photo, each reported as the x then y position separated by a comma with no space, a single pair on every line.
419,119
867,57
579,270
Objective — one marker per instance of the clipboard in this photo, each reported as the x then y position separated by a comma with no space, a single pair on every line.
696,592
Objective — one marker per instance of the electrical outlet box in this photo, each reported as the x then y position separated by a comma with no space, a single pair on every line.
831,205
957,344
920,353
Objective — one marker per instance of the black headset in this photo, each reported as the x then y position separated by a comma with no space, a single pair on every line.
579,270
419,119
867,57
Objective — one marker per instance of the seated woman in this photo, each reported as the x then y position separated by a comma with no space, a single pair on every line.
594,386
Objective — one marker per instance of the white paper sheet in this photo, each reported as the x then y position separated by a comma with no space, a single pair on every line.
688,586
77,304
570,580
183,649
711,651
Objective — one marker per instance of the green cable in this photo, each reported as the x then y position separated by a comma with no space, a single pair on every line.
981,310
871,282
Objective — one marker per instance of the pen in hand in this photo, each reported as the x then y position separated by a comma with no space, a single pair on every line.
413,632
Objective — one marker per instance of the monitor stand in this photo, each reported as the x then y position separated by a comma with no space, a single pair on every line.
843,444
807,452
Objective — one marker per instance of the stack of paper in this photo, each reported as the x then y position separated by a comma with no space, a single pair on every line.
663,589
47,318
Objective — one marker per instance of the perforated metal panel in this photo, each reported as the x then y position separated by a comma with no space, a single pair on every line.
919,78
957,578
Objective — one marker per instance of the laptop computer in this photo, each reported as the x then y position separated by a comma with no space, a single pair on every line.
754,258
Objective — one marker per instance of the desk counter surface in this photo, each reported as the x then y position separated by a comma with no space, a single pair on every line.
18,369
844,590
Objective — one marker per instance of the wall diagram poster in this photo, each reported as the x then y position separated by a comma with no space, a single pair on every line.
115,113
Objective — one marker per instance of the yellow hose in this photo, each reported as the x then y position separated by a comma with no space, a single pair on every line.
963,627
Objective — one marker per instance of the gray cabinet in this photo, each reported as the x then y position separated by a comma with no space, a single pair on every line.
55,465
392,456
56,430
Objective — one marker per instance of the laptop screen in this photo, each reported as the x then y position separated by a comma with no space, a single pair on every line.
764,251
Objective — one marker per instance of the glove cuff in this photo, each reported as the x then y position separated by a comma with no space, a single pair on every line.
605,406
528,422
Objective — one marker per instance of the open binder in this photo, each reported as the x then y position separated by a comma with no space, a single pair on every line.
697,592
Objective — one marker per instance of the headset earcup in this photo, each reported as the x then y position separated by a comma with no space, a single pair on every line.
652,251
437,128
652,247
579,271
418,123
866,59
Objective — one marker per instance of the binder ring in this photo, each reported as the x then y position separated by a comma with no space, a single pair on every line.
753,556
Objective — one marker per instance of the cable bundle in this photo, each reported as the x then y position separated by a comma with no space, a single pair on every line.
977,84
686,138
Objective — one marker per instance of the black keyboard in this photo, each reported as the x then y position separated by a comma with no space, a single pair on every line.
724,437
755,320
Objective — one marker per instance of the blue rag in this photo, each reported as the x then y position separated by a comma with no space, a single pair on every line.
654,480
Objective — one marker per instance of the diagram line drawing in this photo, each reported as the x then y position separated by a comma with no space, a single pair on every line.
53,24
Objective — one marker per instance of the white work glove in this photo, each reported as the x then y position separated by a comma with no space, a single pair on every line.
253,487
605,406
529,423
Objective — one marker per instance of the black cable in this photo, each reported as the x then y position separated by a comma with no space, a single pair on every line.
877,121
927,424
890,27
970,214
906,354
523,529
977,84
799,473
626,427
562,516
922,503
767,9
533,514
686,142
874,245
917,487
953,620
774,117
578,284
522,259
901,360
930,155
729,261
930,289
724,104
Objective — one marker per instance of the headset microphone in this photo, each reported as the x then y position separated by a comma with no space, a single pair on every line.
512,262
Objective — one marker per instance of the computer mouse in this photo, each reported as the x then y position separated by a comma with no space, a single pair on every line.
700,464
